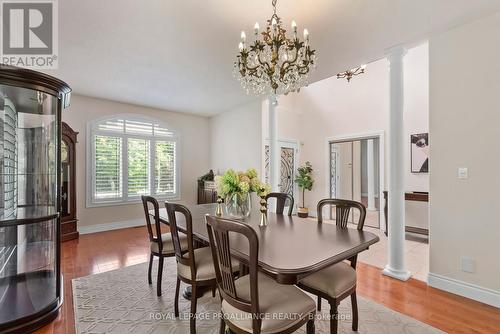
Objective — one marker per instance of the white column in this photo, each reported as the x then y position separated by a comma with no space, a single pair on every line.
370,164
396,266
273,144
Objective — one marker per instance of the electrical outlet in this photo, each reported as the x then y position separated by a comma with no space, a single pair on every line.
463,173
467,264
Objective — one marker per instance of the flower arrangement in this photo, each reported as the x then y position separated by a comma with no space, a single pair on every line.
235,187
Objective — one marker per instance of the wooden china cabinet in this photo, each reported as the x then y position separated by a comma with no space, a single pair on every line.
69,228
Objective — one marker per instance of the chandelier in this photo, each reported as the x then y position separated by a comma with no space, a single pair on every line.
274,63
351,73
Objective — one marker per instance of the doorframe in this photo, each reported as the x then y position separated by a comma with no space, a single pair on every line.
380,135
291,143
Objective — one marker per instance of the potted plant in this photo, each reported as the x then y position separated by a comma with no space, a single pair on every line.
236,187
305,182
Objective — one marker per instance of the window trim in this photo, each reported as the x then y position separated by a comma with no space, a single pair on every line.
90,159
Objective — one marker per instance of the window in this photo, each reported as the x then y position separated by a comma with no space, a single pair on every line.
130,156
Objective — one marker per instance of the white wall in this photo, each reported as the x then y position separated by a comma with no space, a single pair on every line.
333,108
194,154
416,112
236,138
465,132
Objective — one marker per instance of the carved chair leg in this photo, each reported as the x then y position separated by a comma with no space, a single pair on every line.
333,318
354,303
176,301
160,272
192,316
150,268
310,328
222,328
319,303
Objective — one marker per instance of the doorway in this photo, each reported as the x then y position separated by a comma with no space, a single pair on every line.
354,174
289,150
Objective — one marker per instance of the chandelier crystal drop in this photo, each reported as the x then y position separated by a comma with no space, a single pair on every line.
274,63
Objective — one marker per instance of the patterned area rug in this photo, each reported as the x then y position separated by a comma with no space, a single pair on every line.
121,301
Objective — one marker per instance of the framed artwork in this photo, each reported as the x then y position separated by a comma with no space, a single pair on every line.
419,149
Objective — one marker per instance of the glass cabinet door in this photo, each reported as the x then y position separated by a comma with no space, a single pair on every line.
28,202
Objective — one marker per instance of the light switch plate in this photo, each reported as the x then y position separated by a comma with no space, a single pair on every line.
463,173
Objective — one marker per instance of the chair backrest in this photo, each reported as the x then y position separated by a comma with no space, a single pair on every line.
343,209
182,257
154,231
281,199
218,234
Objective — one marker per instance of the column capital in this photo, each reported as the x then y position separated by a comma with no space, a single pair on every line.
395,53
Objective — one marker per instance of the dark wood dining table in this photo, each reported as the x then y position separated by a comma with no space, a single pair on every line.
289,247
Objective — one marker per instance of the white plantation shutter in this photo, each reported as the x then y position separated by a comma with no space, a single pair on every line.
108,167
165,167
138,167
132,156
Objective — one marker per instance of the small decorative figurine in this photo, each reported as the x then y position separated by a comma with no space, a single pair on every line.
218,211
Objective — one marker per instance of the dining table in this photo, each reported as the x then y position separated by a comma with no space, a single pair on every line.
290,247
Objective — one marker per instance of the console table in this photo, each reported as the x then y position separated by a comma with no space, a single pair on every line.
409,196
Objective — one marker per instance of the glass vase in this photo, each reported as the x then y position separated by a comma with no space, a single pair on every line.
238,205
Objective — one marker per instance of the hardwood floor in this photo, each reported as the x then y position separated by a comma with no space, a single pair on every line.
100,252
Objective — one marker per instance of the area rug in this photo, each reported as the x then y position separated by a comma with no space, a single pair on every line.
121,301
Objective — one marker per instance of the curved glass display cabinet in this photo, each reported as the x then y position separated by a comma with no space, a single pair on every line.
30,169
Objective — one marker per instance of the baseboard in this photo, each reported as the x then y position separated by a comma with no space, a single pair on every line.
87,229
472,291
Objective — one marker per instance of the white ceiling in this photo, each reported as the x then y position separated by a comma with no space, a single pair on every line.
178,54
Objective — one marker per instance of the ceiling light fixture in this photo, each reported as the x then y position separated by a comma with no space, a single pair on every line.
351,73
274,63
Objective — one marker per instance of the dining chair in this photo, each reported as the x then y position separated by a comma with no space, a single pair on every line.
281,199
160,244
253,303
338,281
194,265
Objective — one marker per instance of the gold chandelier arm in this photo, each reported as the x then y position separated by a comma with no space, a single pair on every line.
287,63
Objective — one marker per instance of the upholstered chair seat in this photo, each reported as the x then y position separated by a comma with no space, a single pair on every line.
168,246
333,281
274,299
204,265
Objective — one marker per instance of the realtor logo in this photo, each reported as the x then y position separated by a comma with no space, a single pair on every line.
29,33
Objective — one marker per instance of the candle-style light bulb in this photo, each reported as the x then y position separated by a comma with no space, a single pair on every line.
306,35
294,26
274,22
240,46
256,28
243,36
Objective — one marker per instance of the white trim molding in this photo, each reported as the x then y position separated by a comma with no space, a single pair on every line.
87,229
464,289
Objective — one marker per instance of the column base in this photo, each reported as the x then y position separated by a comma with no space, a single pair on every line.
402,275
